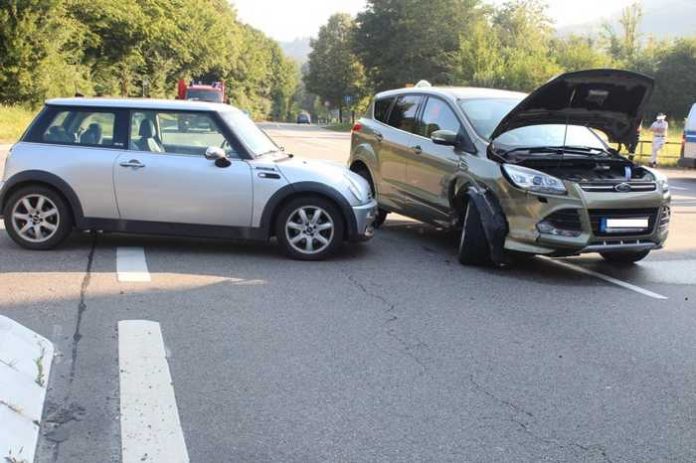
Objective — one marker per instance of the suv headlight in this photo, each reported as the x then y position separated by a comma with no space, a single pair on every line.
533,180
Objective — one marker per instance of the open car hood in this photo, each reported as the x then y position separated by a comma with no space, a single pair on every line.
604,99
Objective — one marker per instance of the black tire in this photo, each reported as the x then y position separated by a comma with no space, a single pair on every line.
625,257
331,214
381,213
62,220
473,244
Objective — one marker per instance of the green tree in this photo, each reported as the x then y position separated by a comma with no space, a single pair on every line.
676,80
334,71
404,41
576,53
624,46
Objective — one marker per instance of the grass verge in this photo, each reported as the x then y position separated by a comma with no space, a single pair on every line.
13,122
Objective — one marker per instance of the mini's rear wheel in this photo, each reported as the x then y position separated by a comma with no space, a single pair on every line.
37,218
624,257
310,228
473,244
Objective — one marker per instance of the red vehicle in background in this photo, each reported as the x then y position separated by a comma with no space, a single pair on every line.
214,93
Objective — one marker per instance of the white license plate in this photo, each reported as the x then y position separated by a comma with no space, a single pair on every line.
627,223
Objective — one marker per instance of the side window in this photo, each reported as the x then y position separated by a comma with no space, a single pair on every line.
403,114
91,128
437,115
176,132
382,109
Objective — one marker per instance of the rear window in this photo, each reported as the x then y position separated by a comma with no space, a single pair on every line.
382,109
80,127
403,115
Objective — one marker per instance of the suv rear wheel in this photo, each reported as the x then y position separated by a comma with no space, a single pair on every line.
381,213
37,218
473,244
310,228
624,257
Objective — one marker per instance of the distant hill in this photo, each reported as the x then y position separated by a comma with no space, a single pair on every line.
661,18
298,49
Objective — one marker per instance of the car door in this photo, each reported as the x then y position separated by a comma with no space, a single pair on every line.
165,177
430,167
396,142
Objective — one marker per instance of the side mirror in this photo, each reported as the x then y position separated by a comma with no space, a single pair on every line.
213,153
445,138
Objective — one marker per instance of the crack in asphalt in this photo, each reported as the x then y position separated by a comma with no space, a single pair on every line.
407,347
58,415
525,425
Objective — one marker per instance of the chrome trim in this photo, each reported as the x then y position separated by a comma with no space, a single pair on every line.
622,245
612,187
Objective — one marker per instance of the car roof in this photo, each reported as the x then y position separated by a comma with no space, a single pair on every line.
141,103
456,93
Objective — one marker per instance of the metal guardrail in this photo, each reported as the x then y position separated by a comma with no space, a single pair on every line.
668,153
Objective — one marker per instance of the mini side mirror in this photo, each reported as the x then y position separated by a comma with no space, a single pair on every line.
445,137
213,153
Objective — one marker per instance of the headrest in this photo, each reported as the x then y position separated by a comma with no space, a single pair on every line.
147,129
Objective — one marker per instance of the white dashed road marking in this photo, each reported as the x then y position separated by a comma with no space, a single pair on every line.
131,265
150,426
607,278
678,188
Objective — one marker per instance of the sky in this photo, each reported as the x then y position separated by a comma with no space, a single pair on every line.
285,20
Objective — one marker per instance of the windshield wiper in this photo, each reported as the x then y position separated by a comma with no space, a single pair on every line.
560,150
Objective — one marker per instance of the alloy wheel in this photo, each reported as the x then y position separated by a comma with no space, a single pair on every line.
35,218
309,229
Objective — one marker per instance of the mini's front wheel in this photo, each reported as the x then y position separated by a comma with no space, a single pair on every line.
310,228
37,218
624,257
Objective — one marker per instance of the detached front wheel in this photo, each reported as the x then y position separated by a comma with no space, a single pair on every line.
624,257
310,228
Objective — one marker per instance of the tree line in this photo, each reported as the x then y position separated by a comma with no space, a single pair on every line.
393,43
139,48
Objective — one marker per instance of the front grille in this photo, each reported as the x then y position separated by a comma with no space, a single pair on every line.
596,216
602,187
565,219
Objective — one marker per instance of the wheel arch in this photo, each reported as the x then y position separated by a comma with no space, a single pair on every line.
296,190
46,179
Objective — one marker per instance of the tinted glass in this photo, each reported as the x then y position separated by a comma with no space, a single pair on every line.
486,114
93,128
382,109
204,95
403,114
437,115
176,132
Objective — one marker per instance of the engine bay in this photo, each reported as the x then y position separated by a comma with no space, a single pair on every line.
591,171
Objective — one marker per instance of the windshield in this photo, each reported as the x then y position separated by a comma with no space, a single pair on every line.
486,114
212,96
256,141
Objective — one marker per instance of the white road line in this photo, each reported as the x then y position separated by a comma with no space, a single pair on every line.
150,426
607,278
131,265
672,187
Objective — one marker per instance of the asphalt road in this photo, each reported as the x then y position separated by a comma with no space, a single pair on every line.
390,352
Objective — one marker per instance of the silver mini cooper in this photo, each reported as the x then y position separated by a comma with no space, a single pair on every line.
176,168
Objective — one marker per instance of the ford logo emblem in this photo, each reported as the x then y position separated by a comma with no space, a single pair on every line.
623,187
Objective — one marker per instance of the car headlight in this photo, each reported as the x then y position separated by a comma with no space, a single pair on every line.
356,190
533,180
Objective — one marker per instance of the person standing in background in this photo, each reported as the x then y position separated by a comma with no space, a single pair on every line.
659,130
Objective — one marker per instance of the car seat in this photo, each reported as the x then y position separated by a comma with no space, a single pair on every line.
148,138
92,136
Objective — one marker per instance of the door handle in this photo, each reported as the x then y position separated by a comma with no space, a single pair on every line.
417,149
379,136
133,163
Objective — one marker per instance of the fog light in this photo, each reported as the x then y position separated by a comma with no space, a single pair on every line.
547,228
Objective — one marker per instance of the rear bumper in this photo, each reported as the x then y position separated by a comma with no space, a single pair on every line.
364,219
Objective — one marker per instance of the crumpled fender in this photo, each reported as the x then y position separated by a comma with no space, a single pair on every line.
493,219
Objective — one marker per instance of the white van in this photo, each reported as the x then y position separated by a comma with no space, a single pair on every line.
689,137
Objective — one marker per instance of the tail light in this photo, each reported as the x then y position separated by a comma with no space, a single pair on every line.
357,127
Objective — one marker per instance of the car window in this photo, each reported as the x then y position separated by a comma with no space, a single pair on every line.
254,139
174,132
403,114
382,109
486,113
91,128
438,115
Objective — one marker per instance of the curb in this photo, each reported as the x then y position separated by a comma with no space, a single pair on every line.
25,364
